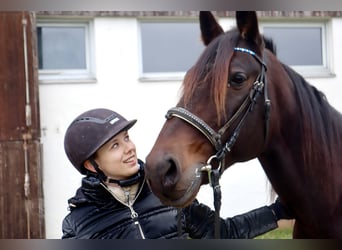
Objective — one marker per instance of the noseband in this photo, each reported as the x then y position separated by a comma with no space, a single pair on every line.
259,86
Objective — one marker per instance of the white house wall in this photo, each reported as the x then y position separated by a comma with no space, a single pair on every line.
244,186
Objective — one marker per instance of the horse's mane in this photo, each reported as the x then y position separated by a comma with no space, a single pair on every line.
319,127
270,45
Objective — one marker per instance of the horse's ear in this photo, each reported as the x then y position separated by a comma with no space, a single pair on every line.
247,23
209,27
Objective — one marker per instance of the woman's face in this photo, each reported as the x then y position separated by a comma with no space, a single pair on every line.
117,158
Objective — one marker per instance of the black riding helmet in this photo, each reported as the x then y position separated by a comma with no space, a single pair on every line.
89,131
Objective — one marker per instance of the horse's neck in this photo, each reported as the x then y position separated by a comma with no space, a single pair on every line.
293,179
283,168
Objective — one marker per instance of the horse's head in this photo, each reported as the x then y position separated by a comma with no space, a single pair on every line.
220,118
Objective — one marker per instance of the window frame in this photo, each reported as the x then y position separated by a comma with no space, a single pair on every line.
86,75
309,71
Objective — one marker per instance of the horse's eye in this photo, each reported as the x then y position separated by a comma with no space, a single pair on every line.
237,79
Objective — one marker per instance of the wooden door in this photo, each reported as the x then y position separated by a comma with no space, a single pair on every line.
21,194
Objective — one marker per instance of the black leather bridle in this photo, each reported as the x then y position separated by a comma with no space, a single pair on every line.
259,86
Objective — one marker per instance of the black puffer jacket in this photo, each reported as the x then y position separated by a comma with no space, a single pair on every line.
95,213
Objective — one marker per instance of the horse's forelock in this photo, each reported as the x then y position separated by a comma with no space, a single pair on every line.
198,73
220,74
212,66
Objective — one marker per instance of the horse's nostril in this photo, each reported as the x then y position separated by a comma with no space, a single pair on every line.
170,177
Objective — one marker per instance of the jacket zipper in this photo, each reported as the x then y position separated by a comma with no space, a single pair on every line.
134,214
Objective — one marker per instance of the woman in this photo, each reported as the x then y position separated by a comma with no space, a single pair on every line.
114,200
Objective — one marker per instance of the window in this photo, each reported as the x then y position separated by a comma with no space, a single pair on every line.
168,48
65,51
302,46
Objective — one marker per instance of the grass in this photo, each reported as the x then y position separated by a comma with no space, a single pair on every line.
279,233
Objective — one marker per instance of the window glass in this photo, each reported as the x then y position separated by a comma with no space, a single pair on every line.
297,46
169,46
61,48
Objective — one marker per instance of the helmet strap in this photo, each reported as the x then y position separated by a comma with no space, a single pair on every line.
123,183
100,173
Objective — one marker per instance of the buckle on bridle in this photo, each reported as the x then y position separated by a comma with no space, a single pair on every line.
213,174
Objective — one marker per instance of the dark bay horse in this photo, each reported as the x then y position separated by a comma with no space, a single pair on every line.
240,102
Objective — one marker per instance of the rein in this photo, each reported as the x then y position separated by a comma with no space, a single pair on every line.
214,174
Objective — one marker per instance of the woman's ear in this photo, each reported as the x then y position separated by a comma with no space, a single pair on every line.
87,164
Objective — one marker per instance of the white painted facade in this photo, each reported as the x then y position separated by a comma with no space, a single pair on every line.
116,40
